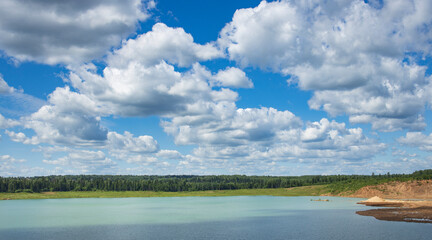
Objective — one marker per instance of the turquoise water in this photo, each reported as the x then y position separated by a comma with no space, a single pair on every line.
244,217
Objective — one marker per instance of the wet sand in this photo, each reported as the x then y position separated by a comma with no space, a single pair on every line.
419,215
405,211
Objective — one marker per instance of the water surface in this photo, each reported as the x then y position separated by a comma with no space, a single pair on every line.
243,217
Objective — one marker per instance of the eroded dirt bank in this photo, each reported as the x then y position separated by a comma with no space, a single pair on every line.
407,211
419,211
397,190
398,201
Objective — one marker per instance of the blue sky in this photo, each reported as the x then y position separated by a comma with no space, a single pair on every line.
222,87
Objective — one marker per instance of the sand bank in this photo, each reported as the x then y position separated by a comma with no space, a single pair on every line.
406,210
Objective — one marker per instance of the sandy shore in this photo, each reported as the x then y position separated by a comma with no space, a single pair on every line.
421,189
406,210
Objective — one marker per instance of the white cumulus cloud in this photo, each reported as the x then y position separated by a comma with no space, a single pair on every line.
232,77
7,123
359,59
85,162
129,144
417,139
68,32
4,87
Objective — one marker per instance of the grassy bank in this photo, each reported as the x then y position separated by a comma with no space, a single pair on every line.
297,191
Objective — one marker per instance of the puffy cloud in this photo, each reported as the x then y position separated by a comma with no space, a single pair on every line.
8,165
47,151
137,159
140,90
283,159
243,139
169,154
4,87
417,139
85,161
67,32
225,125
7,123
141,150
356,57
328,141
68,119
283,35
127,143
259,36
140,78
393,101
22,138
137,81
8,158
173,45
232,77
136,90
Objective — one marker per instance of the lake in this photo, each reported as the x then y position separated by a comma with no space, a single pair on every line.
242,217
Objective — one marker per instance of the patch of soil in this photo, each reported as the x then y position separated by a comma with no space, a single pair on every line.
397,190
418,215
383,204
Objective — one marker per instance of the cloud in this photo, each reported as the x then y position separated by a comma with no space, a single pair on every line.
329,141
69,119
7,123
319,141
223,124
85,161
394,101
358,59
158,74
169,154
284,35
140,90
142,150
14,102
140,78
199,109
173,45
259,140
4,87
232,77
417,139
136,81
68,32
8,158
22,138
8,165
126,143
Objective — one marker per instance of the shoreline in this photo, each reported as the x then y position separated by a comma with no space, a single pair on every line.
419,211
317,190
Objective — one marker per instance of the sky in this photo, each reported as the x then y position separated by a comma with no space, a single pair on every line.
167,87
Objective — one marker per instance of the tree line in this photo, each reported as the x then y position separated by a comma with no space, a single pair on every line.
176,183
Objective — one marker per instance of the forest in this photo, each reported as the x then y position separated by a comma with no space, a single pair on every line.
178,183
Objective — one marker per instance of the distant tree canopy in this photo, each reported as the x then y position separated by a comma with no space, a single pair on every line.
176,183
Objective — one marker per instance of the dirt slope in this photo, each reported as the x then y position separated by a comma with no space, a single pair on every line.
398,190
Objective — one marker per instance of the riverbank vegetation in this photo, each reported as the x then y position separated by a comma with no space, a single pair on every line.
288,192
355,182
189,185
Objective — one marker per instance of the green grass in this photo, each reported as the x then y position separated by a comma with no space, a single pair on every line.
298,191
348,187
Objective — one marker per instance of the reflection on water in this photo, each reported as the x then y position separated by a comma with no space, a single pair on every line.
260,217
